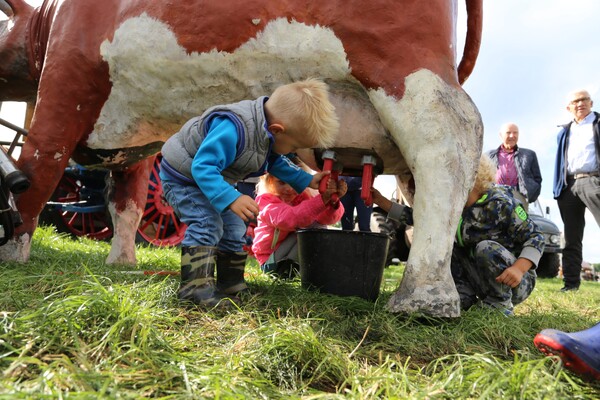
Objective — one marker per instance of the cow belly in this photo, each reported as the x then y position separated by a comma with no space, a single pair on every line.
115,158
157,85
361,134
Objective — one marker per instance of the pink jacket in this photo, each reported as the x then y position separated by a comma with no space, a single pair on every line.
276,214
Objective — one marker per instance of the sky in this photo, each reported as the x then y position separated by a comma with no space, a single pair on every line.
533,53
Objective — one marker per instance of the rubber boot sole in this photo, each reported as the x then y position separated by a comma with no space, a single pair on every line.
570,360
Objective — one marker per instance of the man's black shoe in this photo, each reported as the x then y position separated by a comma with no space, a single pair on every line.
569,289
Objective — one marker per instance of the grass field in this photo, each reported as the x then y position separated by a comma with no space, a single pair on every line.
73,327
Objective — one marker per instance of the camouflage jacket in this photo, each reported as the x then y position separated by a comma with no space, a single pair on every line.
497,216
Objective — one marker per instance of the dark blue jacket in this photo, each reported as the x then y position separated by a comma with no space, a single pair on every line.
560,166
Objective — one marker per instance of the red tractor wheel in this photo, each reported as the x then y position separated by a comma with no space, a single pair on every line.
159,226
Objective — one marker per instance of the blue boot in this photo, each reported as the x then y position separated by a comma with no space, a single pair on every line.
579,351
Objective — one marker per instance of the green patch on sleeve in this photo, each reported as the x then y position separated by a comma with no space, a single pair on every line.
459,238
521,213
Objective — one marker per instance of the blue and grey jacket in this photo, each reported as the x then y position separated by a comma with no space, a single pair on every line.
253,142
236,143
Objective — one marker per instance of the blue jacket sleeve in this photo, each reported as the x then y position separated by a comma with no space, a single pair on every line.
535,179
215,154
560,164
284,169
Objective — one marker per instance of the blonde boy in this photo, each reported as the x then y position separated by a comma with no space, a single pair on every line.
228,143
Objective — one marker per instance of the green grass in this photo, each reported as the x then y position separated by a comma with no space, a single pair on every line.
73,327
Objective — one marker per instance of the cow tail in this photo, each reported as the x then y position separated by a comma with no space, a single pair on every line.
472,40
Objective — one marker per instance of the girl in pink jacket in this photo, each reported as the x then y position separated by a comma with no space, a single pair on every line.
282,211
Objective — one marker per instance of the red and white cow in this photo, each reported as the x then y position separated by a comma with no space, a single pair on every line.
113,79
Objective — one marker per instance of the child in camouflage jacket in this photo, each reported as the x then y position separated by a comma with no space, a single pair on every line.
497,245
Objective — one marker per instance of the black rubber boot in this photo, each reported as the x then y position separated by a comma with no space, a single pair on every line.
230,273
198,277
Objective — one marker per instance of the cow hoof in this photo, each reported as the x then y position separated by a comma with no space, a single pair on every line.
16,249
120,258
428,300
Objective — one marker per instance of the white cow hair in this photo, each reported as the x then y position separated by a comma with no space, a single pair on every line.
157,86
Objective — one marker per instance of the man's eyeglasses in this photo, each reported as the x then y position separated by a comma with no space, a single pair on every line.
573,102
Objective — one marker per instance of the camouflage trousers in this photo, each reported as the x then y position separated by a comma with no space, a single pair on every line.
475,271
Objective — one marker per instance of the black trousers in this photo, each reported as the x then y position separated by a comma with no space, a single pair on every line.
579,194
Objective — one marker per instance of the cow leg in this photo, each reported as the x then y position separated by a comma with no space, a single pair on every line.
44,172
439,132
69,97
127,198
43,159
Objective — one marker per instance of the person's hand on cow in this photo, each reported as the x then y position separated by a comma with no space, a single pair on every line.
245,207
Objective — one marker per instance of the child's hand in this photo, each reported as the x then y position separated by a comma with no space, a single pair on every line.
513,275
376,195
338,188
245,207
314,184
380,200
329,191
342,188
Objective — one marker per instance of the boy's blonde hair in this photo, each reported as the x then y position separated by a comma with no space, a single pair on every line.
304,109
486,175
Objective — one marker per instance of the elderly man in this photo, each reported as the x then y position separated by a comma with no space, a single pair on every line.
577,181
517,167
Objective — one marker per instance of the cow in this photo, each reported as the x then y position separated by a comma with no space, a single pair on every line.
113,79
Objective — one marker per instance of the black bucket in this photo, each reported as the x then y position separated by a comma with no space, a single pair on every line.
344,263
